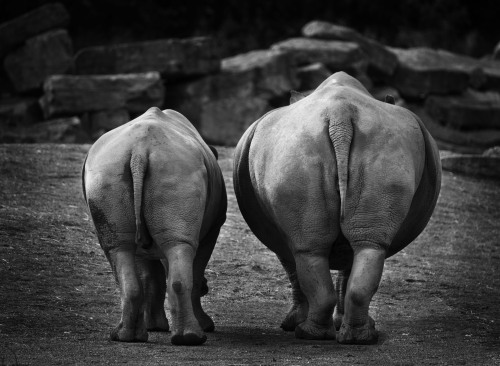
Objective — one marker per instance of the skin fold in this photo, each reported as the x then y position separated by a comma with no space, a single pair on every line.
336,180
157,199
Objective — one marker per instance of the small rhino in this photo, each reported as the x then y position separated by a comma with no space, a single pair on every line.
157,198
336,180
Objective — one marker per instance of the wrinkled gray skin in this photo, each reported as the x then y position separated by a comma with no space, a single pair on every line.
336,180
157,199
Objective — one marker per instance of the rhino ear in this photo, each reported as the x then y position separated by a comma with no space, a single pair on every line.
390,99
295,96
214,151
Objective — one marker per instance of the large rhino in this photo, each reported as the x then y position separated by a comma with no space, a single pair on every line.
336,180
155,192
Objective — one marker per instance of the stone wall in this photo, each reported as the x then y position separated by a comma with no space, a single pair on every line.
102,87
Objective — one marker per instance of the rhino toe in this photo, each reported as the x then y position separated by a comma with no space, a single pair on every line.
188,339
366,334
120,334
308,330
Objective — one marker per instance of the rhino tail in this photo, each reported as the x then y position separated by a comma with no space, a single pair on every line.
138,166
340,128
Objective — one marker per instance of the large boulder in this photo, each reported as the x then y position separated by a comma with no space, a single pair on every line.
424,71
473,164
271,72
76,94
61,130
336,55
496,52
37,21
223,105
489,75
311,76
474,141
173,58
379,57
471,110
100,122
19,112
41,56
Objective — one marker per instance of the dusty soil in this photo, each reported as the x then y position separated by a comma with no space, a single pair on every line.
438,303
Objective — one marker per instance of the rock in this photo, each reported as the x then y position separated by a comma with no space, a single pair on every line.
311,76
173,58
101,122
223,105
19,112
44,55
475,141
471,110
379,57
272,72
336,55
224,121
63,130
76,94
493,151
424,71
475,165
496,52
37,21
489,75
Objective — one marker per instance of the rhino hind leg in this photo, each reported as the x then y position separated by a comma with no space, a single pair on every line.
315,280
357,326
340,289
185,328
153,279
131,327
298,311
200,287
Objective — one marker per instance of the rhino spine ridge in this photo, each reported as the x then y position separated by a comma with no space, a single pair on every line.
340,118
138,165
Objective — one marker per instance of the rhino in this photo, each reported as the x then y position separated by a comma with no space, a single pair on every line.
157,199
337,180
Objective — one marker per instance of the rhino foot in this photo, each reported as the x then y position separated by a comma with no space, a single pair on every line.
294,317
121,334
207,324
188,338
309,330
337,320
157,324
365,334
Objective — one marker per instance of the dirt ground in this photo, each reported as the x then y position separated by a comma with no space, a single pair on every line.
438,303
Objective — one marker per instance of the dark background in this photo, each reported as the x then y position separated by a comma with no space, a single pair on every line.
468,27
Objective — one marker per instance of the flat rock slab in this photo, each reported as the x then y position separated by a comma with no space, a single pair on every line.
489,76
472,110
424,71
19,112
454,139
98,123
37,21
173,58
41,56
76,94
379,57
471,164
336,55
311,76
223,105
61,130
271,71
